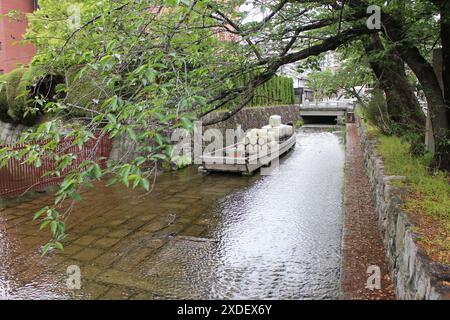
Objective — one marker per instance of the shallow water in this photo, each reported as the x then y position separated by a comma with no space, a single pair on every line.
231,237
277,238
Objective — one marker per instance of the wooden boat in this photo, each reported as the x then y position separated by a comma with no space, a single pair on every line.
220,161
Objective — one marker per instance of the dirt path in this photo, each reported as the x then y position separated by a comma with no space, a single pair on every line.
362,244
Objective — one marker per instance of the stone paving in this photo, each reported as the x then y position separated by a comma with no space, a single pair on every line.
112,233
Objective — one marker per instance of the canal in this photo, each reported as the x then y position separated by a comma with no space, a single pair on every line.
212,236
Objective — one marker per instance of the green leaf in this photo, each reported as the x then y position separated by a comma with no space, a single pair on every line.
145,184
97,171
136,182
132,134
59,246
39,213
75,196
111,182
44,224
159,156
187,124
46,248
111,118
139,160
125,174
54,227
159,139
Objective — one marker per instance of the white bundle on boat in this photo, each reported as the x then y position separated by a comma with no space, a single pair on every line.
282,131
251,149
263,150
271,137
237,150
276,132
230,151
273,146
262,140
253,140
266,139
263,132
251,136
253,132
240,147
288,130
291,130
275,121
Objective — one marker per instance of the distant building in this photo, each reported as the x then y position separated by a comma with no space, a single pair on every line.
12,52
302,93
328,61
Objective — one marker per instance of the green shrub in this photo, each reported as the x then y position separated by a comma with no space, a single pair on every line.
276,91
3,100
18,90
18,101
86,91
376,112
14,97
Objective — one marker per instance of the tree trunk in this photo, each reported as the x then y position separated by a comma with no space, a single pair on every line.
402,105
425,73
444,154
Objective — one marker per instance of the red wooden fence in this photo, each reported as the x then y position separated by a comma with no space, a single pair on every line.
17,178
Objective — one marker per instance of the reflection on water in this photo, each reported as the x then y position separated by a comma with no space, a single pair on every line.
281,236
234,237
277,238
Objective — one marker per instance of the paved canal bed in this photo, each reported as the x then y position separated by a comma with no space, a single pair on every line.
195,236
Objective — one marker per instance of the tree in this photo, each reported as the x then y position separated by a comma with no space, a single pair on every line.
396,22
324,84
402,106
140,69
134,69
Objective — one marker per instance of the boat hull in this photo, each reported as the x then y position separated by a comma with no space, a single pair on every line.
246,164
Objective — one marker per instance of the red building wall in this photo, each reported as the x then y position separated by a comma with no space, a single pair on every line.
13,53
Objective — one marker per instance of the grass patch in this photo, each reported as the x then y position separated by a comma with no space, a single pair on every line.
372,130
429,199
432,187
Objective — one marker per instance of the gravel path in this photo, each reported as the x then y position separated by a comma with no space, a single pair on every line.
361,244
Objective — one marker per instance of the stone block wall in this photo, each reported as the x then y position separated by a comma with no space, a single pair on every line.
415,275
10,133
257,117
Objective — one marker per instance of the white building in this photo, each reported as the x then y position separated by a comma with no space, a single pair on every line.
300,82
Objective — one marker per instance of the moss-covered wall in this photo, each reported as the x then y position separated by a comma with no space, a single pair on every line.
13,97
18,90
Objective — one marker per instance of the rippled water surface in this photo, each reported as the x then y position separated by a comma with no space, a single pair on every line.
225,236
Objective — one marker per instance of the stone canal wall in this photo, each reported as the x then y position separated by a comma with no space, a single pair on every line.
257,117
254,117
10,133
415,275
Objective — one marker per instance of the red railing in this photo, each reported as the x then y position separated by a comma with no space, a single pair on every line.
17,178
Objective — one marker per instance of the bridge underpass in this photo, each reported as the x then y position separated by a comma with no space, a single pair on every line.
328,113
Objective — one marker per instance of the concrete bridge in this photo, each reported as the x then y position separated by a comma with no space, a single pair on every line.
327,112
